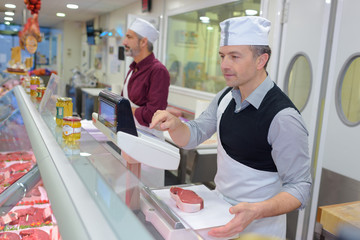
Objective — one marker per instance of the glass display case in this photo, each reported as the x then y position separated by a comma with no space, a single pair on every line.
92,193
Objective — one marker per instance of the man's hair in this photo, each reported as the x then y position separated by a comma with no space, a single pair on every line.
150,46
258,50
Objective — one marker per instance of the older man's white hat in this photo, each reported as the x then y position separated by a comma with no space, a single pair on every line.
145,29
250,30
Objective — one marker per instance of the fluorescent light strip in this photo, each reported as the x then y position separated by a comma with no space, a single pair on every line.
7,13
9,5
59,14
8,18
72,6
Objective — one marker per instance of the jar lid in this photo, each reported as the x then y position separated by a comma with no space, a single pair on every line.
60,99
72,119
67,99
41,88
35,77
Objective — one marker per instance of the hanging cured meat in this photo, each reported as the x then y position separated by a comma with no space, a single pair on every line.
31,28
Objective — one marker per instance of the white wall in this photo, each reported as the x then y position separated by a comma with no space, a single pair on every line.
71,49
117,19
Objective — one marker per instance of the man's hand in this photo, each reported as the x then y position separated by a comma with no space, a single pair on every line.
244,212
165,121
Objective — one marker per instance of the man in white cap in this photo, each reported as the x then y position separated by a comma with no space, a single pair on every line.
147,82
263,163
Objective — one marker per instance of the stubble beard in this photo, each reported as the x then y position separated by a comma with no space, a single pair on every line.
132,52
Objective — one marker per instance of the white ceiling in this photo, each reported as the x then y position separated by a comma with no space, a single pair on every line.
88,9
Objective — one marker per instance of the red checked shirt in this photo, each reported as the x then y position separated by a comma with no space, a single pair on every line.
148,88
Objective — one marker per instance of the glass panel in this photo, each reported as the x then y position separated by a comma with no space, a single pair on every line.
13,136
350,92
192,56
116,191
299,81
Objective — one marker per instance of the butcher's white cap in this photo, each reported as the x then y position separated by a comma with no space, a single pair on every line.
250,30
145,29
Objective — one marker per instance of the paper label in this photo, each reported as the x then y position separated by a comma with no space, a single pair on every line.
59,112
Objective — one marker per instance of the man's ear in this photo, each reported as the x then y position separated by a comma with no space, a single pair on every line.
262,60
144,42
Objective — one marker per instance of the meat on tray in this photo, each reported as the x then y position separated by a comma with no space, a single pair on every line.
9,236
186,200
20,166
27,216
34,234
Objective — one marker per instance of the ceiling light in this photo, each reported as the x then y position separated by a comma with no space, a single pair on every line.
251,12
204,19
209,28
59,14
72,6
8,18
8,13
7,23
9,5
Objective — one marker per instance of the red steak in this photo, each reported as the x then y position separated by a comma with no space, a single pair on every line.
9,236
186,200
34,234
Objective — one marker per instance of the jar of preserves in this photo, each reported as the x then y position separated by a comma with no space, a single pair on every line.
60,111
71,128
40,93
68,107
34,84
27,85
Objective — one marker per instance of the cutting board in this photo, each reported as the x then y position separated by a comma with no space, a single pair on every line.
334,216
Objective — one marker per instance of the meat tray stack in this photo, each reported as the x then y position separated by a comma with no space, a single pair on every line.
32,217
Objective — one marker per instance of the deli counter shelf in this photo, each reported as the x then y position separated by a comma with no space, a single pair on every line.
88,184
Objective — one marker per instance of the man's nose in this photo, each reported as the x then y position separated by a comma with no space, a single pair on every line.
224,63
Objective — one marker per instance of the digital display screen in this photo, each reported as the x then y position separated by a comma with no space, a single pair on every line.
115,113
107,113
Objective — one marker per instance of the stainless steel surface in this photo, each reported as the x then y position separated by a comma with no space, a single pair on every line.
162,208
336,188
16,191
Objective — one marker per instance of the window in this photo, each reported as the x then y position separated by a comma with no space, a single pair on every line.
348,95
298,81
192,53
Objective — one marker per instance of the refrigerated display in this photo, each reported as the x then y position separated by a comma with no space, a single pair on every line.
86,181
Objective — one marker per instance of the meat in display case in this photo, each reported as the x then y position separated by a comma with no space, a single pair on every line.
24,206
92,193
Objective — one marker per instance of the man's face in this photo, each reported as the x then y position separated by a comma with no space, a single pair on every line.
237,64
131,43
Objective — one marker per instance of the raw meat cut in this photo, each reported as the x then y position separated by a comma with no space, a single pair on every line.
9,236
186,200
34,234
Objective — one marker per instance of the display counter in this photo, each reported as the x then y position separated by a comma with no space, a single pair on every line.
89,186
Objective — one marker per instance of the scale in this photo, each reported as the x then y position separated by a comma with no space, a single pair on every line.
116,121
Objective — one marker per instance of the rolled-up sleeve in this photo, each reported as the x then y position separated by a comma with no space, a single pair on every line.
290,150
